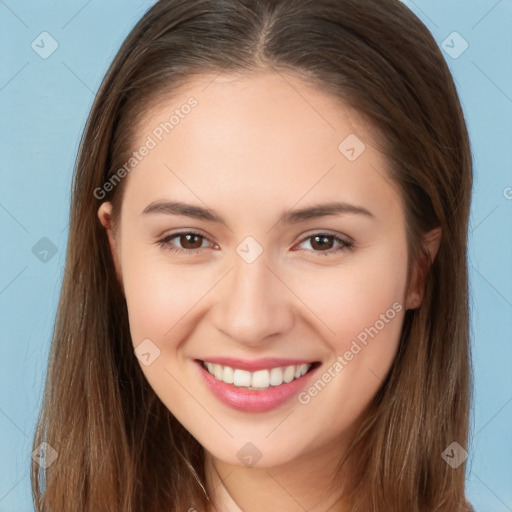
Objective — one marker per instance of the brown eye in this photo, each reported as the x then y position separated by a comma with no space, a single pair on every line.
184,242
191,241
322,242
327,244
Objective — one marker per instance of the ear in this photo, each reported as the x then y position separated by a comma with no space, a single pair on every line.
416,288
105,217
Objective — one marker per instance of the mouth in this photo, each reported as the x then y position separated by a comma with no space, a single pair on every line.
258,380
267,387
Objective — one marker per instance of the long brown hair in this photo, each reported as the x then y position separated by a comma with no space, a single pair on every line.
119,448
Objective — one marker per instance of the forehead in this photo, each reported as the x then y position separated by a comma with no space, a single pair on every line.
265,134
264,104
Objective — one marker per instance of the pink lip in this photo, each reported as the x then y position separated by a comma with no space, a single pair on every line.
253,365
248,400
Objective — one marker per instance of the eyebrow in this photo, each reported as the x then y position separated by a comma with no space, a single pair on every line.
289,217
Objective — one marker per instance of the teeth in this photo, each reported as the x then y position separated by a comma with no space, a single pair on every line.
260,379
229,375
289,374
218,371
276,376
241,378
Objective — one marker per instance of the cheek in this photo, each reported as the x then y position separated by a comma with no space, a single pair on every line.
351,297
362,302
161,301
160,298
346,299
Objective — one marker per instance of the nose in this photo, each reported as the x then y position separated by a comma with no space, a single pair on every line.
253,305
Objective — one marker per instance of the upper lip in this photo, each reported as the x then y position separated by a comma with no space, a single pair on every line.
252,365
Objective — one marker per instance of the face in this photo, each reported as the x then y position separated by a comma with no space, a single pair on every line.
286,254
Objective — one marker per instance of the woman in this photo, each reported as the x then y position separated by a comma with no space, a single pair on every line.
265,300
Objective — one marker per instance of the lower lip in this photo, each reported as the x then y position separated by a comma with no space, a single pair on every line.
248,400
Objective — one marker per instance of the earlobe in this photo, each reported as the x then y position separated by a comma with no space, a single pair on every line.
416,289
105,217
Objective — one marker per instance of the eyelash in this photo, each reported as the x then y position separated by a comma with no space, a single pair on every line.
345,245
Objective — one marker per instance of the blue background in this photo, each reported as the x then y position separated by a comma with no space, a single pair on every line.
44,104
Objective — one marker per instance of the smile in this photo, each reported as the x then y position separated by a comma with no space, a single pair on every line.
255,386
258,380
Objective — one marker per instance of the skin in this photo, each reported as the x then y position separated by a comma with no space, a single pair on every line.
255,146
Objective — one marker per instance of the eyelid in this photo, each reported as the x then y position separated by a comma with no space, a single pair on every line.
303,236
345,242
326,232
190,231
